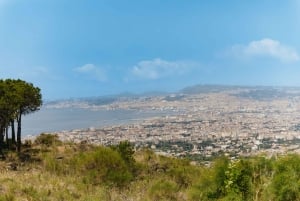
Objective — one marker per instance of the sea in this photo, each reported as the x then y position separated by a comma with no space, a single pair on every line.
53,120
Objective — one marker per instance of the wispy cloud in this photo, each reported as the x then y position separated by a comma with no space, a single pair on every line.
159,68
92,71
267,48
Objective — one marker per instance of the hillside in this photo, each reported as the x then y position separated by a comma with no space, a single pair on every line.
51,170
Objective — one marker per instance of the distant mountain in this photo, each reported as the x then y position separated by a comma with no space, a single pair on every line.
269,93
210,88
251,92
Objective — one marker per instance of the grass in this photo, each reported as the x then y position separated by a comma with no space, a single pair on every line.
49,170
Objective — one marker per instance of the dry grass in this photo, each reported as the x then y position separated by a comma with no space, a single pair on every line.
53,172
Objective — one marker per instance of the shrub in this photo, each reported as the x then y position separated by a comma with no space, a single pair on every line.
286,181
163,190
47,139
103,165
239,178
125,149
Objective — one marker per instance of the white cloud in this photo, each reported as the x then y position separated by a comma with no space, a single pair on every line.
268,48
92,71
158,68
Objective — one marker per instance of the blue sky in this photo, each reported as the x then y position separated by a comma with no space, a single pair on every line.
96,47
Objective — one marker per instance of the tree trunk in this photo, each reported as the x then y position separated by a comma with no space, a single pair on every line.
19,133
1,142
6,137
13,132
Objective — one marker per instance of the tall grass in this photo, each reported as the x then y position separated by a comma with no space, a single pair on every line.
64,171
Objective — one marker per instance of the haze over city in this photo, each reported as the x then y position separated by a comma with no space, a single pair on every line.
94,48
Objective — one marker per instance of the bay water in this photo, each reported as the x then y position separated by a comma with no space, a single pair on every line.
51,120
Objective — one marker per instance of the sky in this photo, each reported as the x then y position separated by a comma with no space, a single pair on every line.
103,47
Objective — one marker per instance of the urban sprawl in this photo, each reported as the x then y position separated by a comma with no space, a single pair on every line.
233,122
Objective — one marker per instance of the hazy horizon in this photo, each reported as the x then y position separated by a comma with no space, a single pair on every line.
157,92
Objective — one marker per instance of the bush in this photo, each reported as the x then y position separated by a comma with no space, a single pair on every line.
179,170
211,182
104,165
47,139
286,181
99,165
126,151
163,190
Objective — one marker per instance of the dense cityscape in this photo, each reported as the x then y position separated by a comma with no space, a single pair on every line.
235,121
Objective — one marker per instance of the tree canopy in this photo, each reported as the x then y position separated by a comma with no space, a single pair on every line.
17,98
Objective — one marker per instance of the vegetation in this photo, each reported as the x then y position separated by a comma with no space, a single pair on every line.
17,98
48,169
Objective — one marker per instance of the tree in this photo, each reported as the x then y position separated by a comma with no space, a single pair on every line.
29,99
7,110
17,98
11,97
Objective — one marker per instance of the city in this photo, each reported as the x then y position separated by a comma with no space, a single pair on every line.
234,121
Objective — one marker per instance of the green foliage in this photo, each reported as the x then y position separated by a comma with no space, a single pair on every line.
73,172
239,178
220,169
205,188
98,166
286,182
179,170
104,165
263,169
47,140
163,190
212,182
126,151
232,196
17,98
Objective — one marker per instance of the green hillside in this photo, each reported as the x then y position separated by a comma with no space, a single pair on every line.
48,169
